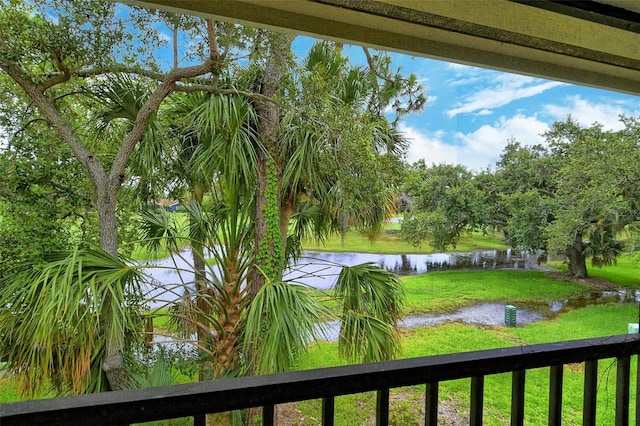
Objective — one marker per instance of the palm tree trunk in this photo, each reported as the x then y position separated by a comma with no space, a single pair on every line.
202,304
227,345
286,210
268,247
226,348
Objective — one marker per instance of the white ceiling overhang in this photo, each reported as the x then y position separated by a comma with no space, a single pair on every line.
593,43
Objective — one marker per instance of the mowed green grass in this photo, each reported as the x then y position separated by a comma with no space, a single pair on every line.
443,291
452,289
392,243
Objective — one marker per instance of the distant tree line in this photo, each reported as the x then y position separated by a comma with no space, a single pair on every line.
576,196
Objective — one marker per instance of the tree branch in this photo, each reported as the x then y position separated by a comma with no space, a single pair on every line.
55,118
214,51
373,69
64,76
116,68
116,174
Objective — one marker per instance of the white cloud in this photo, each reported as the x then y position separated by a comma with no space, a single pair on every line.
466,76
587,113
430,148
482,148
502,90
164,37
476,150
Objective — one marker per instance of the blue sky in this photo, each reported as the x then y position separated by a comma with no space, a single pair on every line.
471,113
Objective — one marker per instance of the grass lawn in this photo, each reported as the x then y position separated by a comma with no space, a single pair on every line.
391,243
445,290
626,271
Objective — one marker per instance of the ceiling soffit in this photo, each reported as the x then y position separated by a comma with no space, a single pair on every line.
594,46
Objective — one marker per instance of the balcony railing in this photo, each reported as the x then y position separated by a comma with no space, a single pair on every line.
197,399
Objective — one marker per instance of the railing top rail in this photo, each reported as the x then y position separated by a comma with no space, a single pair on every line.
229,394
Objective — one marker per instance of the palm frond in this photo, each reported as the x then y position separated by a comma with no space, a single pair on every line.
226,130
159,231
372,300
281,321
52,321
364,338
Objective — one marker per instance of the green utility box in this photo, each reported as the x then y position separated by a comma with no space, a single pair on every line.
510,315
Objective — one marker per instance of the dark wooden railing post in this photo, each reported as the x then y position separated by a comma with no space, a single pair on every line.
477,401
328,411
622,391
555,395
638,390
268,414
200,420
590,392
431,405
382,407
517,397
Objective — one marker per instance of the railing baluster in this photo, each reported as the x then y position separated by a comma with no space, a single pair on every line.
431,405
382,407
638,390
200,420
622,391
517,397
328,411
268,413
477,401
590,389
555,395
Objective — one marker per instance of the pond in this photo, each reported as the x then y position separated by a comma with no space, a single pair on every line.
320,269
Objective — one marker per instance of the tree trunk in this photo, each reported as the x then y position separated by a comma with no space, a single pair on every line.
286,211
268,238
576,257
113,362
268,244
203,292
227,345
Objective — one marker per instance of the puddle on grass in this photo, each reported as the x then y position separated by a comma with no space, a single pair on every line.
484,314
480,314
494,313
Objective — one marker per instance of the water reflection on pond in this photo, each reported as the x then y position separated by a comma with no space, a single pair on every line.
596,297
319,269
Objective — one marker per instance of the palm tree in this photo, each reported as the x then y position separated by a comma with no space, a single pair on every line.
52,325
223,130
